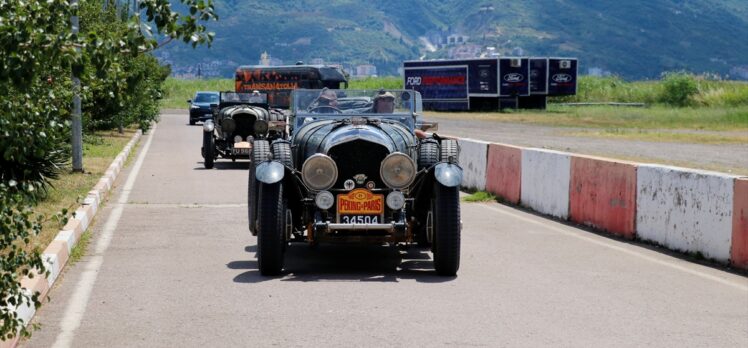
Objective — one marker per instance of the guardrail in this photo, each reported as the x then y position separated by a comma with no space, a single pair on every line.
692,211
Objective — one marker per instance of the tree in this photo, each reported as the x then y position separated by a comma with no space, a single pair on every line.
37,54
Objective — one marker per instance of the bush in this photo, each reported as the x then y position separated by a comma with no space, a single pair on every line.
678,89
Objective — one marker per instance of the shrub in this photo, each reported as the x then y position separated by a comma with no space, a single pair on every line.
678,89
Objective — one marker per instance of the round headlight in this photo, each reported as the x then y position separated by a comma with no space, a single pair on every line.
319,172
261,127
324,200
397,170
208,126
395,200
238,139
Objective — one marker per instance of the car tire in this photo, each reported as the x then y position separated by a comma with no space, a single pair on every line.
428,153
282,152
192,122
447,228
260,150
450,148
209,150
271,237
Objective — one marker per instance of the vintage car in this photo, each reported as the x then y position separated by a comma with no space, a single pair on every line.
238,119
357,169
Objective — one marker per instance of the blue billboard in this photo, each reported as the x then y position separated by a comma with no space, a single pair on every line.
441,87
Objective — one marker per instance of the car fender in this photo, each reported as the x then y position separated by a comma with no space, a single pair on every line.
208,126
448,174
270,172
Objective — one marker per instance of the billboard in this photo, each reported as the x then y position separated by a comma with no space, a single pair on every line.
514,77
441,87
538,76
562,76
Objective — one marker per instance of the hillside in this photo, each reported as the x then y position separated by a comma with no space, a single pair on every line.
634,39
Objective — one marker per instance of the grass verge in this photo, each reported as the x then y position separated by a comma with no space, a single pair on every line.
480,196
80,248
657,117
69,190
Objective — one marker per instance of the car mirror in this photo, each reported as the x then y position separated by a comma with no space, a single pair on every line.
189,100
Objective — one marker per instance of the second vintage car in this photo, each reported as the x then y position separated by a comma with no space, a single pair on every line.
356,169
237,119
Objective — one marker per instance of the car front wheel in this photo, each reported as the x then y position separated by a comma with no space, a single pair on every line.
209,148
447,226
271,241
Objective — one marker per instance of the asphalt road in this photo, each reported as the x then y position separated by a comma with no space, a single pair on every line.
722,157
171,264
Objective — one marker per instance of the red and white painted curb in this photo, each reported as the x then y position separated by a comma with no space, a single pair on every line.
56,255
681,209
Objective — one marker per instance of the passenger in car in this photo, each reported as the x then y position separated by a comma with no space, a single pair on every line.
384,103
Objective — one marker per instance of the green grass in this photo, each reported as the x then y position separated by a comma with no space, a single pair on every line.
657,117
68,191
80,248
709,93
178,91
480,196
387,82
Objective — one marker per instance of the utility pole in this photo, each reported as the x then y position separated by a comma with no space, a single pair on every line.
77,126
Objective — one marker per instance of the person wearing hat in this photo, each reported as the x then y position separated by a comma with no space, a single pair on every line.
384,103
327,102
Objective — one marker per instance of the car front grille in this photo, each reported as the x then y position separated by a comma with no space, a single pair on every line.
358,157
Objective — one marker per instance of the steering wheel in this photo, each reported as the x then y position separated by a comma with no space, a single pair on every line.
319,108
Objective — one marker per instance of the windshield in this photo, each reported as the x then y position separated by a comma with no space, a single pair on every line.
360,102
206,98
250,98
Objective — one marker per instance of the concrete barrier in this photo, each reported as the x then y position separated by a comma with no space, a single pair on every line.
603,195
685,210
545,181
739,245
504,172
473,155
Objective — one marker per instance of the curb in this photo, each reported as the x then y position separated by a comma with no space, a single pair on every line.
57,253
691,211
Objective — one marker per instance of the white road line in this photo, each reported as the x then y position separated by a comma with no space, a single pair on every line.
187,206
674,264
76,307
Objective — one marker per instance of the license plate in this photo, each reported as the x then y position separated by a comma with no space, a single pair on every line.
360,206
242,148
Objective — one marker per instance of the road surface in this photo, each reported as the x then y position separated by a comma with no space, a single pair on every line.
171,264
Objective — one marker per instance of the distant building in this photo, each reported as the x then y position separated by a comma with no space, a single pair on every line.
267,60
317,61
457,39
464,51
598,72
364,70
739,72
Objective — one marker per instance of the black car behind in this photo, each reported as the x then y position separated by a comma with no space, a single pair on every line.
200,106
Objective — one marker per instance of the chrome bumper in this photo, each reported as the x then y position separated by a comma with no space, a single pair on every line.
391,227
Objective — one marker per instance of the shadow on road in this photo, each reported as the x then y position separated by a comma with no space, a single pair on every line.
226,164
346,263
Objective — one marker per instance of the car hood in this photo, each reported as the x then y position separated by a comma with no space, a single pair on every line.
321,136
203,105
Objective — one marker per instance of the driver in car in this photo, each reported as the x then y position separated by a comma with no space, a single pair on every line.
327,102
384,103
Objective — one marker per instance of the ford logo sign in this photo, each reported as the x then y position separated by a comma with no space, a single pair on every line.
561,78
513,77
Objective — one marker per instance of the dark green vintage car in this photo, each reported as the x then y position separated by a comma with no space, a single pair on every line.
357,168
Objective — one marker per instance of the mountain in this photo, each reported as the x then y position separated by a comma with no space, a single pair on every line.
636,39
